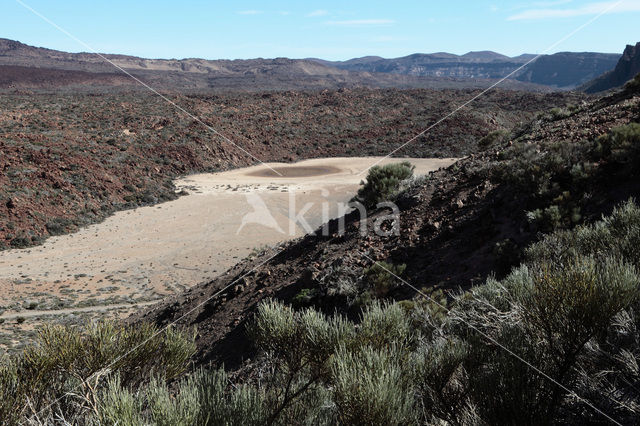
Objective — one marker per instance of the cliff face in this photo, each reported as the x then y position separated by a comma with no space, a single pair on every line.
471,65
628,67
568,69
561,70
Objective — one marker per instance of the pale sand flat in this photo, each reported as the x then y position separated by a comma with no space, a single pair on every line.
149,252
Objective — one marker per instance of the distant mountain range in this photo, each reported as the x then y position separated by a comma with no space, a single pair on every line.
46,68
42,69
564,70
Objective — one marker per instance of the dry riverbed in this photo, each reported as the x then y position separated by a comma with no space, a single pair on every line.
142,255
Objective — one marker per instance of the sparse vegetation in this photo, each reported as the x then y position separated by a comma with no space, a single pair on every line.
569,311
620,146
554,335
72,159
66,369
495,138
383,183
558,113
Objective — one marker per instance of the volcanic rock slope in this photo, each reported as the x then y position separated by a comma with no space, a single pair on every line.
71,159
19,77
457,227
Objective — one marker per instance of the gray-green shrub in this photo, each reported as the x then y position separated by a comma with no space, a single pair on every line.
65,362
511,351
371,387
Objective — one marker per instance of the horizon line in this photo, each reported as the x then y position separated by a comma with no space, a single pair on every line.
308,57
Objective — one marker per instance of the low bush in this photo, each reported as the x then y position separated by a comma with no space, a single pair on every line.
558,114
305,297
204,398
547,219
371,387
339,285
493,139
66,362
554,338
383,183
382,277
348,288
59,226
617,236
621,145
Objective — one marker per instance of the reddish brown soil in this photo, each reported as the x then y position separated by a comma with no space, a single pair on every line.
69,160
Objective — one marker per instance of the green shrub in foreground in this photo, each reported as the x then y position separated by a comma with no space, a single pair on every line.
371,387
617,235
203,398
570,312
66,367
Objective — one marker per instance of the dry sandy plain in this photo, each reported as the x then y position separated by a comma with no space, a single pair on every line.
138,256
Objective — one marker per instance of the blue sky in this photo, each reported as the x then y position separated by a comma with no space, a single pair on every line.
330,29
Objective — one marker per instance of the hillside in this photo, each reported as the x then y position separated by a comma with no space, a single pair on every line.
70,160
627,67
17,77
457,227
568,69
510,292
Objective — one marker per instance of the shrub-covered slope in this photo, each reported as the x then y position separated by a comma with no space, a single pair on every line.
457,226
554,342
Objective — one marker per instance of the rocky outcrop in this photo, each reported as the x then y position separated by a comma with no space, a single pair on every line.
628,67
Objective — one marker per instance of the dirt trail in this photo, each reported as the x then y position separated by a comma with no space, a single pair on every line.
151,252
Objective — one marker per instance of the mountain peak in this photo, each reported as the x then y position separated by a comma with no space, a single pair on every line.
485,55
628,67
